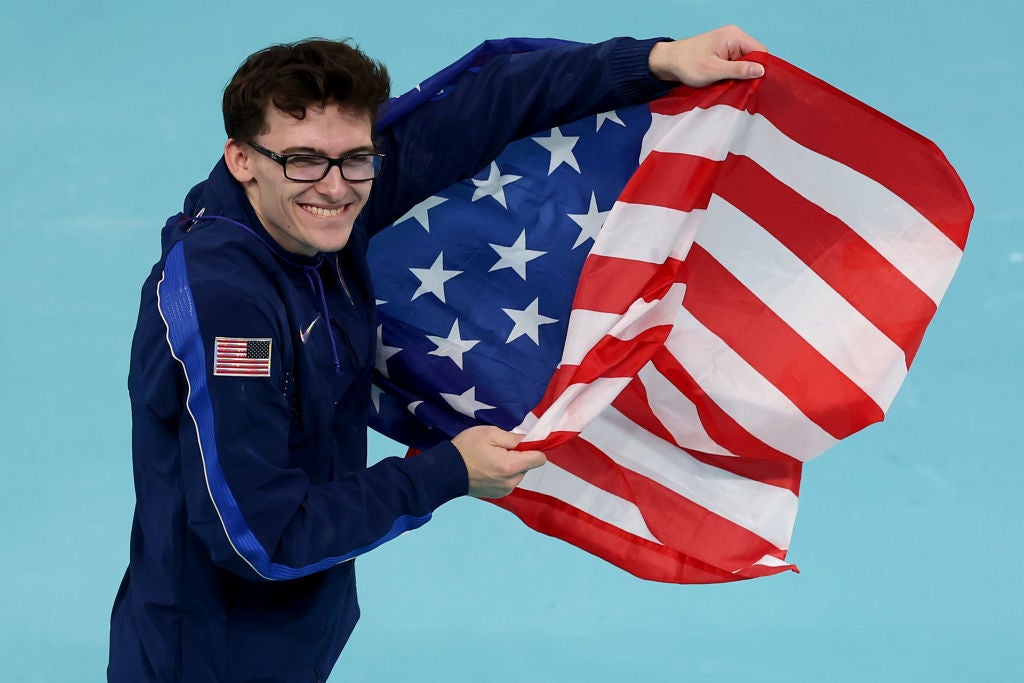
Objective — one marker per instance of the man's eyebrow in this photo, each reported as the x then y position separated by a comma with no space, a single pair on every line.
365,149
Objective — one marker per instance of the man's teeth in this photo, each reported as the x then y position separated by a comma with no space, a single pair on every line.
319,211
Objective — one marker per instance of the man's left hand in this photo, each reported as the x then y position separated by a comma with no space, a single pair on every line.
706,58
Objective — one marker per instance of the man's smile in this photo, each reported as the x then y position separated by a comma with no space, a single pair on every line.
324,212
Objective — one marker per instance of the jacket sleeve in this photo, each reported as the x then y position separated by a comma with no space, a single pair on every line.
512,95
247,496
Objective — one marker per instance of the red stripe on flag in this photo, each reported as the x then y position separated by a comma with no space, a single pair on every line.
682,99
610,357
784,473
694,530
611,285
638,556
819,389
841,257
673,519
652,183
830,122
719,425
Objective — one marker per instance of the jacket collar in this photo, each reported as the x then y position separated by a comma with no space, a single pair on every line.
220,195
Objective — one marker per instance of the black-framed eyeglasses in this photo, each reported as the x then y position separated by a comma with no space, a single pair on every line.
310,168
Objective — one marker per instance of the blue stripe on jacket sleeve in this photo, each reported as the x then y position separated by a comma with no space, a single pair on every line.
177,307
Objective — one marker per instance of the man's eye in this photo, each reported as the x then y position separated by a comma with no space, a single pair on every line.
360,161
306,162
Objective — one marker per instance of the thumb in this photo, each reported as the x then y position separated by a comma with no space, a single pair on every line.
506,440
742,70
528,460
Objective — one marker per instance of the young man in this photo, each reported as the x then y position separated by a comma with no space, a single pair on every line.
253,355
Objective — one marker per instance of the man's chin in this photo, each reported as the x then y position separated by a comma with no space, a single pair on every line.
335,244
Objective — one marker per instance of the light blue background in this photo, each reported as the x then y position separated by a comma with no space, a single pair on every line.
909,534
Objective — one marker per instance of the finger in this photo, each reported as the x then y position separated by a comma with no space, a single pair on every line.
744,45
739,43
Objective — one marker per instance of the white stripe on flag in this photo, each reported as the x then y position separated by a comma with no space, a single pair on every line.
770,561
647,233
587,328
677,413
888,223
699,132
574,408
766,510
551,480
804,301
738,389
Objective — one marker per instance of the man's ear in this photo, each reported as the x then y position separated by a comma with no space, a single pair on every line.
239,160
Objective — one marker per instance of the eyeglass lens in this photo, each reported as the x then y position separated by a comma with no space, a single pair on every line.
360,167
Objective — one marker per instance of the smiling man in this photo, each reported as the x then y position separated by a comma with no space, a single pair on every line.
308,209
255,346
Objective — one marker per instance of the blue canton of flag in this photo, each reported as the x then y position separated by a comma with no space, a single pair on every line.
495,260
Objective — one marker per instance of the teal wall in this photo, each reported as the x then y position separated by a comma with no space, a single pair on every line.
909,535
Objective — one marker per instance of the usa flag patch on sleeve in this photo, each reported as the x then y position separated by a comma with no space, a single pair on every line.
236,357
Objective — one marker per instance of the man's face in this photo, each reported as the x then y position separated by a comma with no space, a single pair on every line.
305,218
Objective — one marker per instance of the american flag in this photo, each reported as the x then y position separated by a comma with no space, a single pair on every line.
240,357
680,304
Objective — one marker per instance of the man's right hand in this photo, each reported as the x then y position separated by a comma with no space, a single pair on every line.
494,469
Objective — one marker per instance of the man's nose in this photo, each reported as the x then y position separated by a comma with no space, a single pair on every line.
333,184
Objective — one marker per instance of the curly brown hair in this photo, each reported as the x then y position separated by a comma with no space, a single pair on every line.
296,76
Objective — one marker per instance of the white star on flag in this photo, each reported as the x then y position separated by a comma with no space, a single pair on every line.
466,402
452,346
608,116
590,222
515,256
432,279
384,352
527,322
560,148
494,185
420,211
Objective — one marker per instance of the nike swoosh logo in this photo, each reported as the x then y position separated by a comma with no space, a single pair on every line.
304,334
